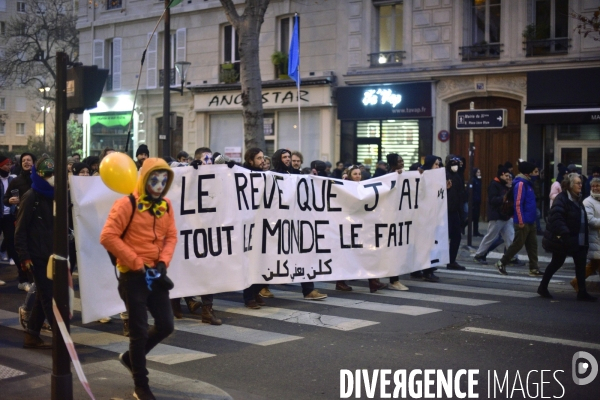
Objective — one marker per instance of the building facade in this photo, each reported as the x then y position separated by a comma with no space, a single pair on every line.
378,76
23,110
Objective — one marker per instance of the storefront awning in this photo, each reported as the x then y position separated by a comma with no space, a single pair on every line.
583,115
564,96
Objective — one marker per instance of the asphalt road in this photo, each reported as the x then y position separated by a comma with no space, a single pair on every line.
496,327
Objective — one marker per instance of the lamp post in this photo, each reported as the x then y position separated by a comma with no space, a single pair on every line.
182,69
45,109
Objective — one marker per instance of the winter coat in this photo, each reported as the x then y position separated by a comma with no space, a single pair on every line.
35,228
456,194
592,209
524,198
148,239
564,226
476,182
4,190
496,192
22,183
555,190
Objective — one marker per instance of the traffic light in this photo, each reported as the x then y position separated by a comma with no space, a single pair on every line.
84,87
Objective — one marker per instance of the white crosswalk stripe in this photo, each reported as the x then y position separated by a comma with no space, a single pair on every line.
228,332
413,296
360,304
294,316
469,289
162,353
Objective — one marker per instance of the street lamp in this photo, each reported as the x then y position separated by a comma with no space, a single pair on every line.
45,110
182,68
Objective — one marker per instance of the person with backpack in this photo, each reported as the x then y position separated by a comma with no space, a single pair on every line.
499,223
524,216
34,243
143,241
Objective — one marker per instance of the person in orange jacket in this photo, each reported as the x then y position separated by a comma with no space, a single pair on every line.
143,253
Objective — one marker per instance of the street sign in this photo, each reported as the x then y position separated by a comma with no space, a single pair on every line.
481,119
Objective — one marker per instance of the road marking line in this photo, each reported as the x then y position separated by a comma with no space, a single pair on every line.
162,353
517,270
491,275
294,316
513,335
469,289
228,332
359,304
7,372
413,296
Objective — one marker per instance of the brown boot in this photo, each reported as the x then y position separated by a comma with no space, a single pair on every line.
208,315
193,306
375,285
35,342
176,306
341,285
589,271
259,300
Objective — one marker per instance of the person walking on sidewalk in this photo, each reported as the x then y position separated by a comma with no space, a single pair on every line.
499,224
592,209
144,253
567,235
455,197
524,220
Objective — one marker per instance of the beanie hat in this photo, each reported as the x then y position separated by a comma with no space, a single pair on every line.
45,165
77,167
526,167
572,168
143,149
508,165
502,170
4,160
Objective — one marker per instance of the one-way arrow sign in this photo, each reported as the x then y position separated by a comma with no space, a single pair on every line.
481,119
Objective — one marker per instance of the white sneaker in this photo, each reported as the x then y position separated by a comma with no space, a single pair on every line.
397,286
25,286
105,320
11,262
2,283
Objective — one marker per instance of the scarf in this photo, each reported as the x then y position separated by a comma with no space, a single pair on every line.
157,207
40,185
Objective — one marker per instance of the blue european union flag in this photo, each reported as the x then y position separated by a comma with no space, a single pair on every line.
294,56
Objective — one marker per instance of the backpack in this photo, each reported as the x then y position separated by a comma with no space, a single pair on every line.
113,258
507,209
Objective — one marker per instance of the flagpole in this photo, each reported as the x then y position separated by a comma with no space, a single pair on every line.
294,71
299,119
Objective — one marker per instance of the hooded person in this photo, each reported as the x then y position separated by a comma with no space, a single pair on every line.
430,162
81,169
13,194
144,252
34,241
282,162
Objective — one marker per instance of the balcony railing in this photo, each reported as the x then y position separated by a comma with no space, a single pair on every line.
546,47
386,58
114,4
161,77
481,51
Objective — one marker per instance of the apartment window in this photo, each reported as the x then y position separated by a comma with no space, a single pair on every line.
485,21
551,18
231,53
20,7
20,129
286,29
39,128
3,5
20,104
177,53
2,28
2,103
390,38
2,128
114,4
109,53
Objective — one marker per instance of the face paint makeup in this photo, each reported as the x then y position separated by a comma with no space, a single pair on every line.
156,183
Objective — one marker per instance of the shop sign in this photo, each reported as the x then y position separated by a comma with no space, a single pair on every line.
408,100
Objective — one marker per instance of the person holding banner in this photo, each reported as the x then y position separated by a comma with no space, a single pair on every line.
143,255
282,163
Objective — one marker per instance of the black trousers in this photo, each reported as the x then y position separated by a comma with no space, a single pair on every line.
558,259
454,228
475,217
42,308
138,298
7,225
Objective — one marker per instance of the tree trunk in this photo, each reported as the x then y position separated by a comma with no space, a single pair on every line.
248,28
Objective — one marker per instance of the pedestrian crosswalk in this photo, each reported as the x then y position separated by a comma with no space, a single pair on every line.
423,299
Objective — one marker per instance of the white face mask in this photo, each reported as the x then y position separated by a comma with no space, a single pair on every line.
595,195
478,176
454,168
50,181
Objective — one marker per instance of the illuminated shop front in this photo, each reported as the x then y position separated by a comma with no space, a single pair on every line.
381,119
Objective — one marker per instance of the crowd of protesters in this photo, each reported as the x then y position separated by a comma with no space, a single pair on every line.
513,215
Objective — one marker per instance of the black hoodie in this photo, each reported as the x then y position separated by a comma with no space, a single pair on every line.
21,182
279,166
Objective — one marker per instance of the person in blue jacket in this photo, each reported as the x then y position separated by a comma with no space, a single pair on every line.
524,217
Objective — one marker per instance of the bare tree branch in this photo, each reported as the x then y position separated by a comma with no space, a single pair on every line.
588,25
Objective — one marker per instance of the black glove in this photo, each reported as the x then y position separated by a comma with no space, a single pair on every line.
231,164
163,281
196,163
161,268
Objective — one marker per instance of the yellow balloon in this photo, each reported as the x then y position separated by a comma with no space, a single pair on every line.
119,173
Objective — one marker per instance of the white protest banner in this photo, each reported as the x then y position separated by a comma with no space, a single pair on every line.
238,227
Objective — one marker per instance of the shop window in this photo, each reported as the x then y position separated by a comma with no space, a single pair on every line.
375,139
548,32
108,53
287,133
20,129
226,130
482,30
390,34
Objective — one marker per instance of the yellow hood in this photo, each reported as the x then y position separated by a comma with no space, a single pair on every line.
150,165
